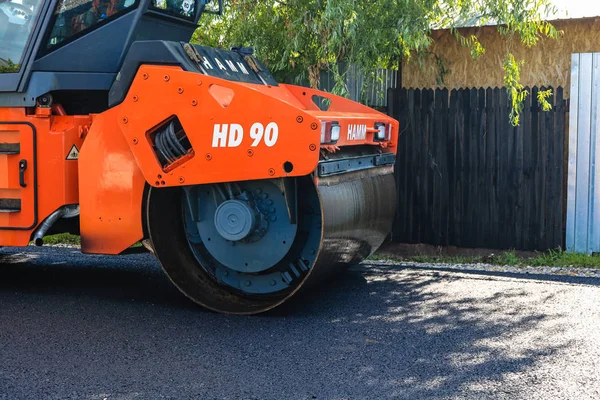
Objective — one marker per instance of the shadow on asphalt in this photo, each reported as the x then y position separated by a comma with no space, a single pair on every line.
103,278
571,279
110,326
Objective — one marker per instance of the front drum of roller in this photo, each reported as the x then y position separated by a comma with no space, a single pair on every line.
234,248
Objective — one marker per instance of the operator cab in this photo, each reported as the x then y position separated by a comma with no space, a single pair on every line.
79,45
74,19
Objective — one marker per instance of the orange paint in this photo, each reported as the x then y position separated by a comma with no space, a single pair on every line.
218,117
56,177
111,189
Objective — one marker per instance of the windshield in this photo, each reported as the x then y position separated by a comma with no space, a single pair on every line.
178,8
16,23
72,17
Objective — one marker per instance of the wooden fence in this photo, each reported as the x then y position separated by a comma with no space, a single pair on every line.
466,177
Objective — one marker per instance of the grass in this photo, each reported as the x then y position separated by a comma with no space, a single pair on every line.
68,239
552,258
62,238
559,258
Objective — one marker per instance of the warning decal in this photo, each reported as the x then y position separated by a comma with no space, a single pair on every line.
73,153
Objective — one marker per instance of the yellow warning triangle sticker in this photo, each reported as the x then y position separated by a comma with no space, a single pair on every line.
73,153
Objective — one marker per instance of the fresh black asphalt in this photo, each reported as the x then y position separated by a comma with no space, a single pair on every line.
96,327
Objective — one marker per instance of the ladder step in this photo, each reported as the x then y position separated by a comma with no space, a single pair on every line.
10,148
10,205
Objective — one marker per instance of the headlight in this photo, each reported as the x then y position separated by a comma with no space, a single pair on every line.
335,132
330,132
381,131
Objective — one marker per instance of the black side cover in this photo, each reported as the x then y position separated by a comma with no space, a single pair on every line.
235,65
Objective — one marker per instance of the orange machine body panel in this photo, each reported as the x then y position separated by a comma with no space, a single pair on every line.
238,131
208,107
349,115
111,189
50,178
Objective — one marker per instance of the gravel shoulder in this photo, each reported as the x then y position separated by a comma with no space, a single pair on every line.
508,269
94,327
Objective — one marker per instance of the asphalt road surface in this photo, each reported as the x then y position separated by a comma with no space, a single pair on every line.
89,327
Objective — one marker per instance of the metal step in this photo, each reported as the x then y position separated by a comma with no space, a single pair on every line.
10,148
10,205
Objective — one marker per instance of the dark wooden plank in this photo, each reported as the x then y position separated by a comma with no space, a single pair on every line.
550,192
465,235
453,210
472,228
518,178
496,164
405,151
399,111
535,214
482,205
461,178
542,193
491,234
423,170
404,135
418,169
428,151
436,176
524,221
443,145
392,99
393,110
410,161
560,153
502,135
393,96
527,177
509,172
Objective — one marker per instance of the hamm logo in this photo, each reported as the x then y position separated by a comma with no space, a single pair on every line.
357,132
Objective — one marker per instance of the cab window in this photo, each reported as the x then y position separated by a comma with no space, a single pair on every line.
185,9
73,18
16,23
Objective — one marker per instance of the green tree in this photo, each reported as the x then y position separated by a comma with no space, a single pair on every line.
8,66
297,39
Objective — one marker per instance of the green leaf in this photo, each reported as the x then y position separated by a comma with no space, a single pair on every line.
299,39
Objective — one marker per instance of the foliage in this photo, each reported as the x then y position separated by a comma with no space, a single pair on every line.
553,258
298,39
516,93
560,258
506,258
9,66
443,69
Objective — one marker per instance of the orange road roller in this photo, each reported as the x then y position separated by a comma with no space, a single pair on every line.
115,128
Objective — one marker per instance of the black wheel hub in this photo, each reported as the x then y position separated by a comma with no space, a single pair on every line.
243,233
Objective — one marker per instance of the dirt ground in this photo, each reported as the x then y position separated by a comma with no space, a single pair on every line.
400,250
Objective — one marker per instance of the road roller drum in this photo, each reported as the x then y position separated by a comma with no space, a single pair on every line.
334,225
